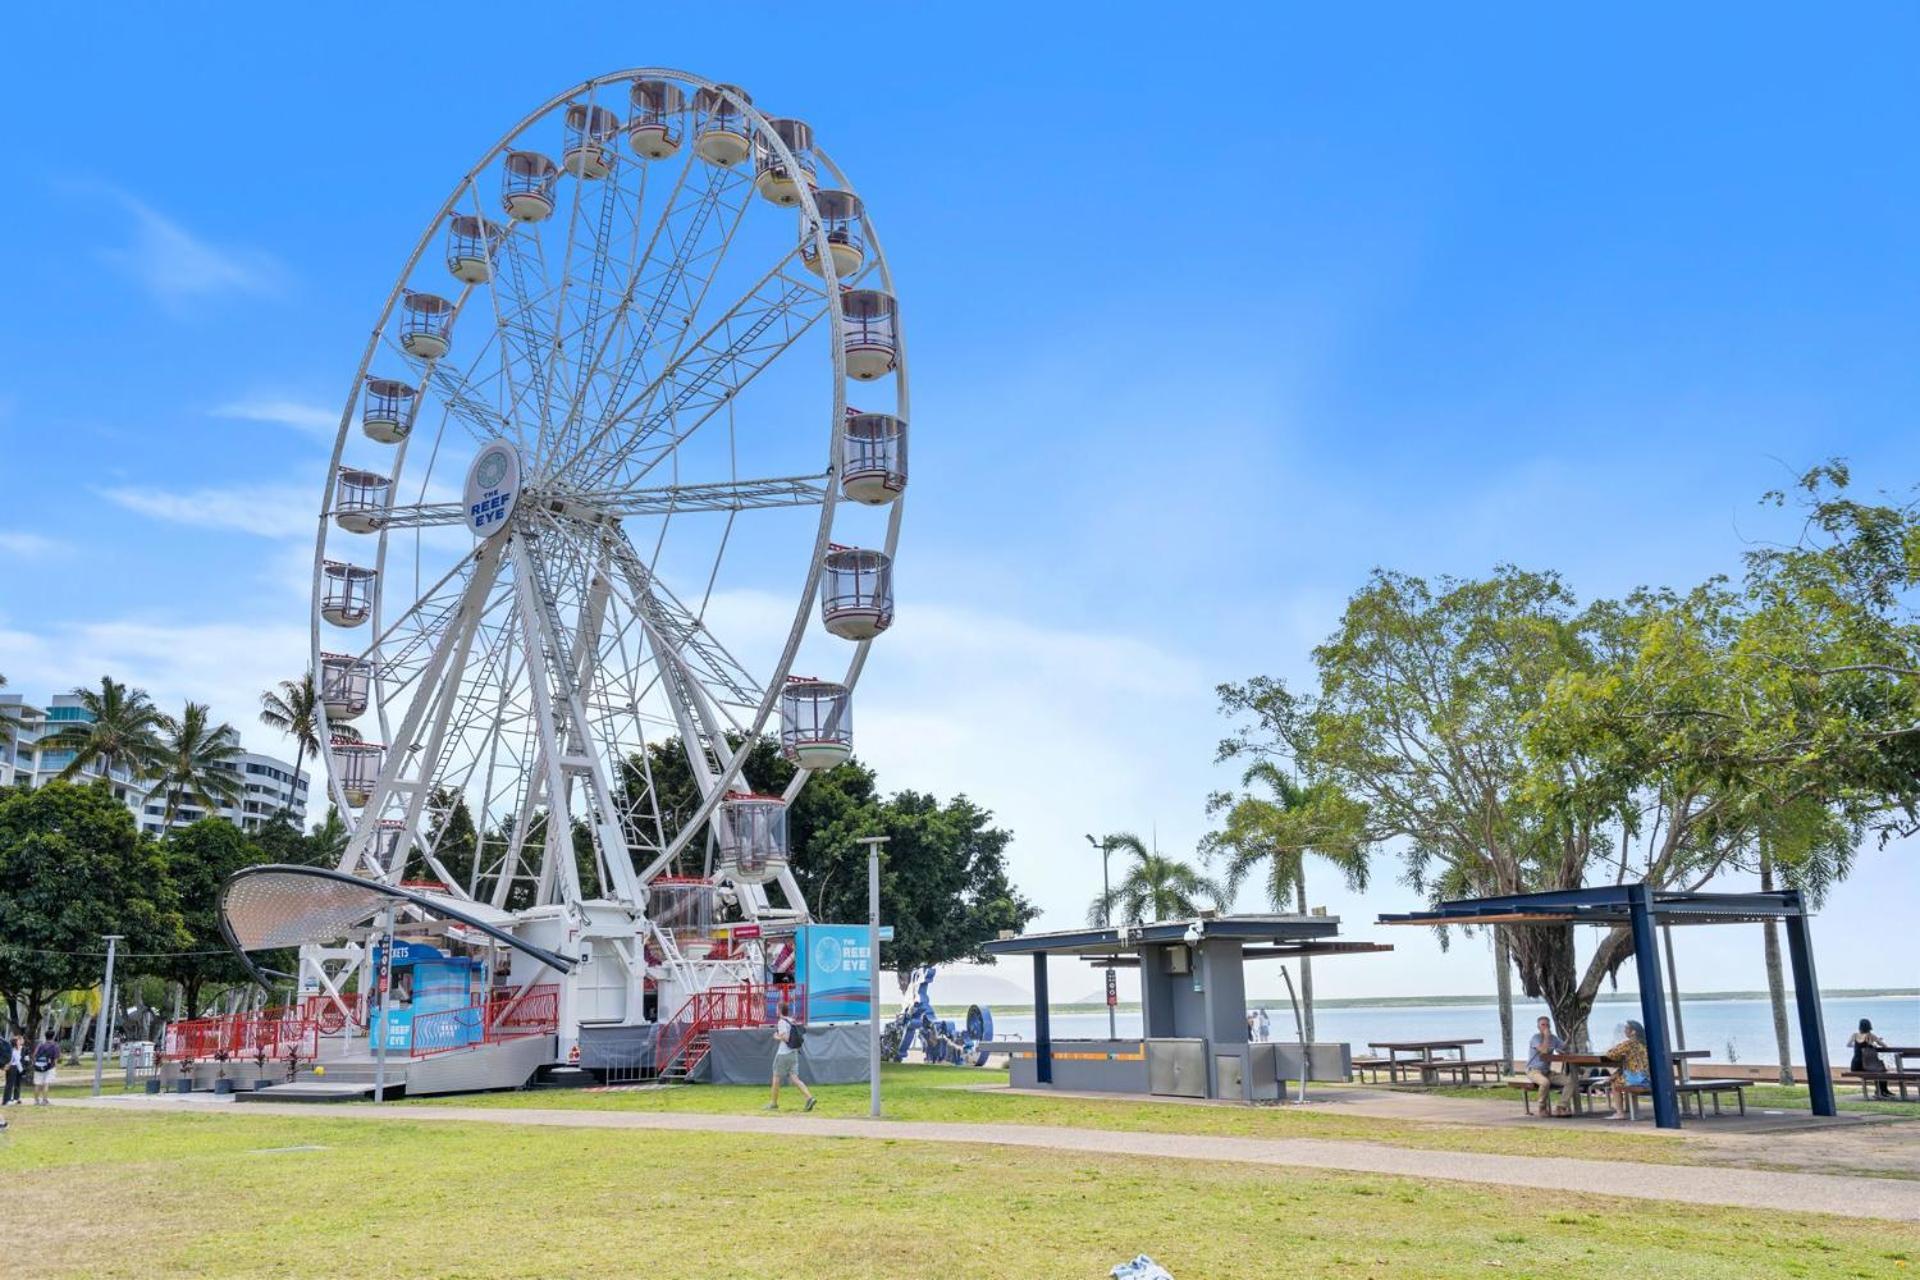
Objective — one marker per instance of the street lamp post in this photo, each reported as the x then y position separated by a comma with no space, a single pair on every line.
106,1015
873,844
1106,910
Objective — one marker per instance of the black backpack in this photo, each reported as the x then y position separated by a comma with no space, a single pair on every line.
43,1060
796,1035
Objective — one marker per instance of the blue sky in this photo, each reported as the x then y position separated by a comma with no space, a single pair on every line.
1208,317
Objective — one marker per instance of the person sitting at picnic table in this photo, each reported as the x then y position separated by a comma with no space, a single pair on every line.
1631,1073
1866,1048
1540,1071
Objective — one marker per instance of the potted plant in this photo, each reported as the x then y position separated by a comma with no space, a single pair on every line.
220,1082
261,1080
183,1083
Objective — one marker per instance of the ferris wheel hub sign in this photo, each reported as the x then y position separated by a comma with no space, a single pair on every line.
493,483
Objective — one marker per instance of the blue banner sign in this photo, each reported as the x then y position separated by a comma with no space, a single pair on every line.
835,965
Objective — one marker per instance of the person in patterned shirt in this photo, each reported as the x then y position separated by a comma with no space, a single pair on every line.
1631,1072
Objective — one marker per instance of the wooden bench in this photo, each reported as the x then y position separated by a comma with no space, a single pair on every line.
1489,1069
1368,1064
1900,1078
1582,1100
1698,1090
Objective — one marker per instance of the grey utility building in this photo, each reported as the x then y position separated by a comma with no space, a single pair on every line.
1193,994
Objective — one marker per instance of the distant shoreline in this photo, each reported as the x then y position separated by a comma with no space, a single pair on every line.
1404,1002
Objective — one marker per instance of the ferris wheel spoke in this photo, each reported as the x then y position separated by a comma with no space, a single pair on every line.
424,515
726,495
670,624
706,377
404,770
694,234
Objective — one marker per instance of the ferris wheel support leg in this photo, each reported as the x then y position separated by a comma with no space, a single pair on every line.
458,636
515,852
618,880
557,865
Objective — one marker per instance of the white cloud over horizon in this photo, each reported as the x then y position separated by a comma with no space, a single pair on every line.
28,545
282,411
268,510
176,267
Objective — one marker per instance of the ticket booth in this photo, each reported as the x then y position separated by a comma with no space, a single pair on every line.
425,982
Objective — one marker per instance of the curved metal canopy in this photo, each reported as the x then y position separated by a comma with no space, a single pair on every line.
278,905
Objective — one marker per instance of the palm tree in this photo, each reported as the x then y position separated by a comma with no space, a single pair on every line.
123,732
1155,887
329,837
1273,835
294,709
197,762
9,720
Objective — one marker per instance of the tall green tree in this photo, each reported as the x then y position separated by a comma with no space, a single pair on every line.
294,709
199,858
73,867
197,761
9,720
123,732
1506,739
1270,835
1154,887
453,838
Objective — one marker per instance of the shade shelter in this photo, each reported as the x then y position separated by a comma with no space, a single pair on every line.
1193,997
1640,907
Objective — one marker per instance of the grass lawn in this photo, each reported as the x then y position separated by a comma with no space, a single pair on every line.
962,1095
102,1194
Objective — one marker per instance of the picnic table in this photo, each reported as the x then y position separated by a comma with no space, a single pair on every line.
1420,1054
1698,1090
1898,1074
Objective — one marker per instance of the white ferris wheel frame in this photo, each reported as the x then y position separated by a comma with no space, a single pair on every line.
717,777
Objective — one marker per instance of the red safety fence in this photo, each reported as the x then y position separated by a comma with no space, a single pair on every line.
327,1013
240,1037
750,1004
499,1017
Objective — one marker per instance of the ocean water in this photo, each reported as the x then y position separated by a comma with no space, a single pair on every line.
1735,1030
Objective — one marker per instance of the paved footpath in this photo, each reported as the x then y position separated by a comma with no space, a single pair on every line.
1889,1198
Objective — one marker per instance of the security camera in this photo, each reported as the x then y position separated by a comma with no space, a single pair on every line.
1195,932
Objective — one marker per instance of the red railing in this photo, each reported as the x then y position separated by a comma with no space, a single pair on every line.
240,1037
324,1011
749,1004
498,1017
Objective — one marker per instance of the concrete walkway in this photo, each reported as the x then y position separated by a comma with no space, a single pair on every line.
1887,1198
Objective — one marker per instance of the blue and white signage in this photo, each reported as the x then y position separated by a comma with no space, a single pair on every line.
493,482
834,963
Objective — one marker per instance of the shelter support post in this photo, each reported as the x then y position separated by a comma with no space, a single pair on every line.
1813,1034
1042,1023
1646,960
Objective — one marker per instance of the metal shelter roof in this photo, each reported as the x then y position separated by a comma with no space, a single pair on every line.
1608,906
279,905
1105,939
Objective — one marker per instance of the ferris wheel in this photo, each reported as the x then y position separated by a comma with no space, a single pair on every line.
587,494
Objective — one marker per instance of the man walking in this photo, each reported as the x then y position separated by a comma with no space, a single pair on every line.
16,1067
787,1039
46,1055
1540,1071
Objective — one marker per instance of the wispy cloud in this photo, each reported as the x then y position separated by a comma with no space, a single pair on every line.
176,266
311,418
22,545
268,510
